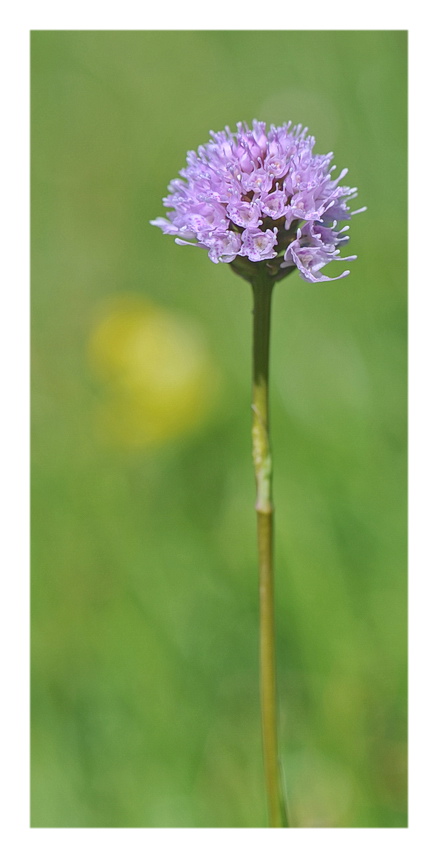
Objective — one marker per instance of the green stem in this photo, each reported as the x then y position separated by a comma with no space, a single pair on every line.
262,290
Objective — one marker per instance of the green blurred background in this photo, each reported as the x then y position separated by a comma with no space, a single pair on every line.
144,584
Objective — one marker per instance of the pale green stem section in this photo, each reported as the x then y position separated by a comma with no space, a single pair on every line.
262,290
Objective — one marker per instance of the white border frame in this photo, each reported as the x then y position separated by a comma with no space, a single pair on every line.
420,836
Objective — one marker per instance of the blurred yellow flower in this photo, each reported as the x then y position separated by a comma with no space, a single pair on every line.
159,378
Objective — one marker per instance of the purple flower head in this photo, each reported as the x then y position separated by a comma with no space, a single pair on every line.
263,195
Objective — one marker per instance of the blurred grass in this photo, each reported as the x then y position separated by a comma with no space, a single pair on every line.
144,589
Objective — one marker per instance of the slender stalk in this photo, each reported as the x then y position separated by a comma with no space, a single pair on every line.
262,291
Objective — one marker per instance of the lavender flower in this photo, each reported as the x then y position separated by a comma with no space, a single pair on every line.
262,195
262,202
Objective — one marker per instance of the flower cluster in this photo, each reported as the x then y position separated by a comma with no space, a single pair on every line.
261,194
